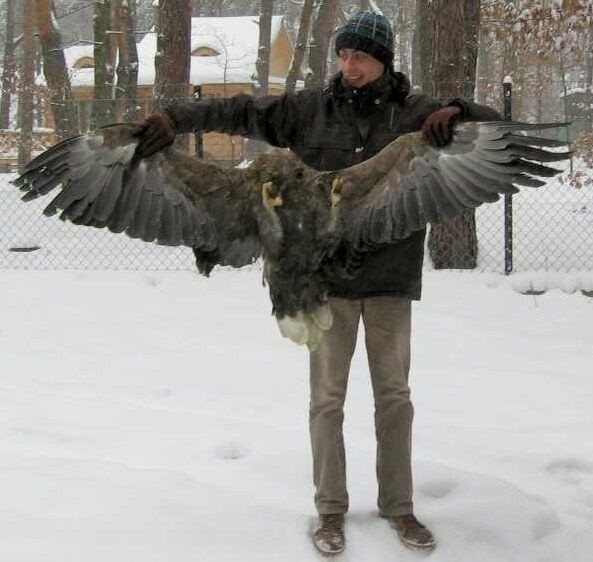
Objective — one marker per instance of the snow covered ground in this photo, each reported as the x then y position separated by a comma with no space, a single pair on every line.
160,417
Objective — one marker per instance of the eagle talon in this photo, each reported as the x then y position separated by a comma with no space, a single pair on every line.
336,192
270,198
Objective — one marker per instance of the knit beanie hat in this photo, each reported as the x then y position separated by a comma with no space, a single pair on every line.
368,32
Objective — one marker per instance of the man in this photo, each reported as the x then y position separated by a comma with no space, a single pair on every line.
366,106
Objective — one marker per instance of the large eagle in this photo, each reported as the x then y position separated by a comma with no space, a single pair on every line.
308,226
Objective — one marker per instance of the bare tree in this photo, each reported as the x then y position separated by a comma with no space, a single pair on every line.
172,59
422,44
484,67
127,68
103,111
262,64
454,47
301,45
292,10
326,18
8,67
589,71
401,35
55,70
453,41
27,85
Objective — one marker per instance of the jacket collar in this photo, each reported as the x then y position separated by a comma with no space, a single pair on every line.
390,86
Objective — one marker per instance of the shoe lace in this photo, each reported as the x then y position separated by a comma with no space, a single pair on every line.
411,522
410,525
331,522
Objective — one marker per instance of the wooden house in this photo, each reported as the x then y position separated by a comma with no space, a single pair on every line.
223,55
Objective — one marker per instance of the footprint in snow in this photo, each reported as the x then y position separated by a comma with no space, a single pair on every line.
232,450
572,470
437,489
544,524
577,473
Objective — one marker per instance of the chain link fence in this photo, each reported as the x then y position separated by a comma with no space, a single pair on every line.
552,231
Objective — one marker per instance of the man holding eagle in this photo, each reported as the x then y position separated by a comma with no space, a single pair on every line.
340,222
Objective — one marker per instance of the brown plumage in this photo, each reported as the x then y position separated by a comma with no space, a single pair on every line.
308,226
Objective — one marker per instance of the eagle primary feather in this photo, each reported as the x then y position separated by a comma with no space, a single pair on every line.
483,161
309,226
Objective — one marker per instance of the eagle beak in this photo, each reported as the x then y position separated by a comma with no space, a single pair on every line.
270,196
336,192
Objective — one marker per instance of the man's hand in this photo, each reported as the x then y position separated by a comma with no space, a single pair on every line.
438,126
155,133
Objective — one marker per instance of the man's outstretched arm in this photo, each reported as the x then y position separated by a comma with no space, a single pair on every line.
273,119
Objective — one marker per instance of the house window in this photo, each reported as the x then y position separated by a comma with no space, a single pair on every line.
85,62
205,52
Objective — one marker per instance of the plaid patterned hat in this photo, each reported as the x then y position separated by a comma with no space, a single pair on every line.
368,32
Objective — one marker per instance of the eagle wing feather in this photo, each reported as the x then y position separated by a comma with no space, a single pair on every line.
411,183
170,198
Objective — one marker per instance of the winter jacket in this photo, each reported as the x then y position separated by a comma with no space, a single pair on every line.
330,129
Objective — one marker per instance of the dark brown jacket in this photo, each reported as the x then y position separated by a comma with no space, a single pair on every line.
331,129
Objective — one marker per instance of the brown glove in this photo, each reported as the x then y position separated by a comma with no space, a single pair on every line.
155,133
438,127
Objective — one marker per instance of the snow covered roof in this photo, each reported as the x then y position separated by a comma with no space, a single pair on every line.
235,39
77,52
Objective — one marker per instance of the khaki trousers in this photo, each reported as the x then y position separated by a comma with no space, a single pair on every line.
387,337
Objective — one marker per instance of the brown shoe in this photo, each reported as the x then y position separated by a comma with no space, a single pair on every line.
412,533
328,536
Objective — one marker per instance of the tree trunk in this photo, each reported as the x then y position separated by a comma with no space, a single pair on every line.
55,71
27,85
172,59
253,148
454,48
292,16
300,47
262,64
127,68
453,244
8,67
484,72
589,73
567,116
401,36
102,98
423,44
323,25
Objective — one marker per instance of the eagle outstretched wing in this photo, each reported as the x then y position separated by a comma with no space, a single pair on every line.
170,198
411,183
309,226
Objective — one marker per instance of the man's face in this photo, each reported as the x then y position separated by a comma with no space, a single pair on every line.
359,68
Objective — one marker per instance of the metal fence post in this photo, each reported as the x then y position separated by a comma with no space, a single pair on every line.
507,100
198,138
